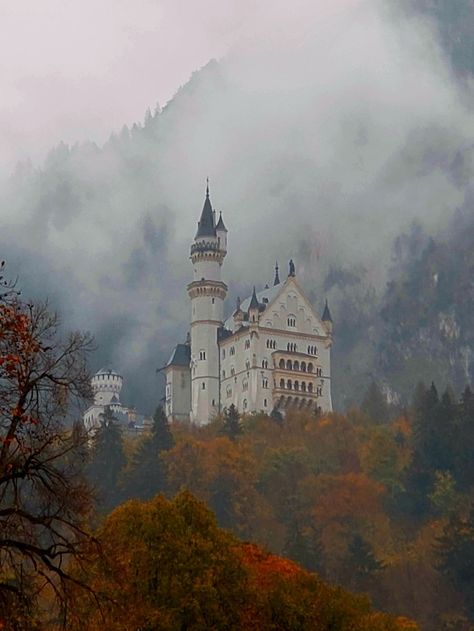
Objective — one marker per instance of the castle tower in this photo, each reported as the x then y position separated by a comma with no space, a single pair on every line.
207,293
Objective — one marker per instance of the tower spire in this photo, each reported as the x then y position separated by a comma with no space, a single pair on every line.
277,276
206,225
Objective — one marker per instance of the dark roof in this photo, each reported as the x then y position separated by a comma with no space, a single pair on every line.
254,304
326,313
206,226
181,356
220,224
223,333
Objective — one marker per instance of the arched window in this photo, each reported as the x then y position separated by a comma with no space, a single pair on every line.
245,404
288,384
296,385
245,385
282,383
282,363
296,365
203,386
288,364
310,367
247,344
303,366
303,386
265,383
310,387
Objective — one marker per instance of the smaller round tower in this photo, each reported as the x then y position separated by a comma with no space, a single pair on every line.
106,385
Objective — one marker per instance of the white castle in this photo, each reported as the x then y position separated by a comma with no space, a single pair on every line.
273,352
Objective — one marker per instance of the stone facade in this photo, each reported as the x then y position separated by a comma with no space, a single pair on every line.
272,352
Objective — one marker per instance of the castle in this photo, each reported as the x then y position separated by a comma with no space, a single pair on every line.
106,386
273,352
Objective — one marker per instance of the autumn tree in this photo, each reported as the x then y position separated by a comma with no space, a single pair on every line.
43,497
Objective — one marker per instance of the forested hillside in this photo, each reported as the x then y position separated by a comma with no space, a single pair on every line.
375,501
333,183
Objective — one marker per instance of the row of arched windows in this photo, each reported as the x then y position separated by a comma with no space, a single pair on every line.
291,347
296,385
296,365
271,344
312,350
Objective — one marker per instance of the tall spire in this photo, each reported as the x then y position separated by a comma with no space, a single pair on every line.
277,276
206,225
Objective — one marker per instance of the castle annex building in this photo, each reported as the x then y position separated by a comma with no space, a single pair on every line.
272,352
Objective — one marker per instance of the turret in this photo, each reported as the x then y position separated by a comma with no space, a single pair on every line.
254,308
207,293
221,232
327,319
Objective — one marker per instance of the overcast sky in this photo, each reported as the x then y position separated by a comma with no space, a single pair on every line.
79,69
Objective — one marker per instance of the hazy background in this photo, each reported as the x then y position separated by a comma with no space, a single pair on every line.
326,129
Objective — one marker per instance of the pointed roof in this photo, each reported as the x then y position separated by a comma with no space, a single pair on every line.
181,356
220,224
254,304
326,313
206,225
277,275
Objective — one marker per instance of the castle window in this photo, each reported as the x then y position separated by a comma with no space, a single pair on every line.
265,404
310,387
319,372
223,353
203,386
310,367
303,366
265,383
282,383
291,321
296,365
265,363
282,363
245,404
232,371
213,302
247,344
303,386
296,385
288,384
247,365
245,385
202,355
288,364
213,400
319,392
228,392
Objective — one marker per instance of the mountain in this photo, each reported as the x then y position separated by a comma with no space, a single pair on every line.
325,162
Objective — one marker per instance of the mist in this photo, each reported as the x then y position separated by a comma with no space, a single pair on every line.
325,130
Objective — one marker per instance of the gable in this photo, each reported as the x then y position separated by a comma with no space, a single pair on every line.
290,310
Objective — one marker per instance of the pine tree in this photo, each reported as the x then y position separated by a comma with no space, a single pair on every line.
146,475
455,552
232,425
363,564
375,405
107,459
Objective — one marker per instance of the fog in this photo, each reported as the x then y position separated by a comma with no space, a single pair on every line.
325,128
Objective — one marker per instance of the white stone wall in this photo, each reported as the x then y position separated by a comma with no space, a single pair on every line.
178,393
249,377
